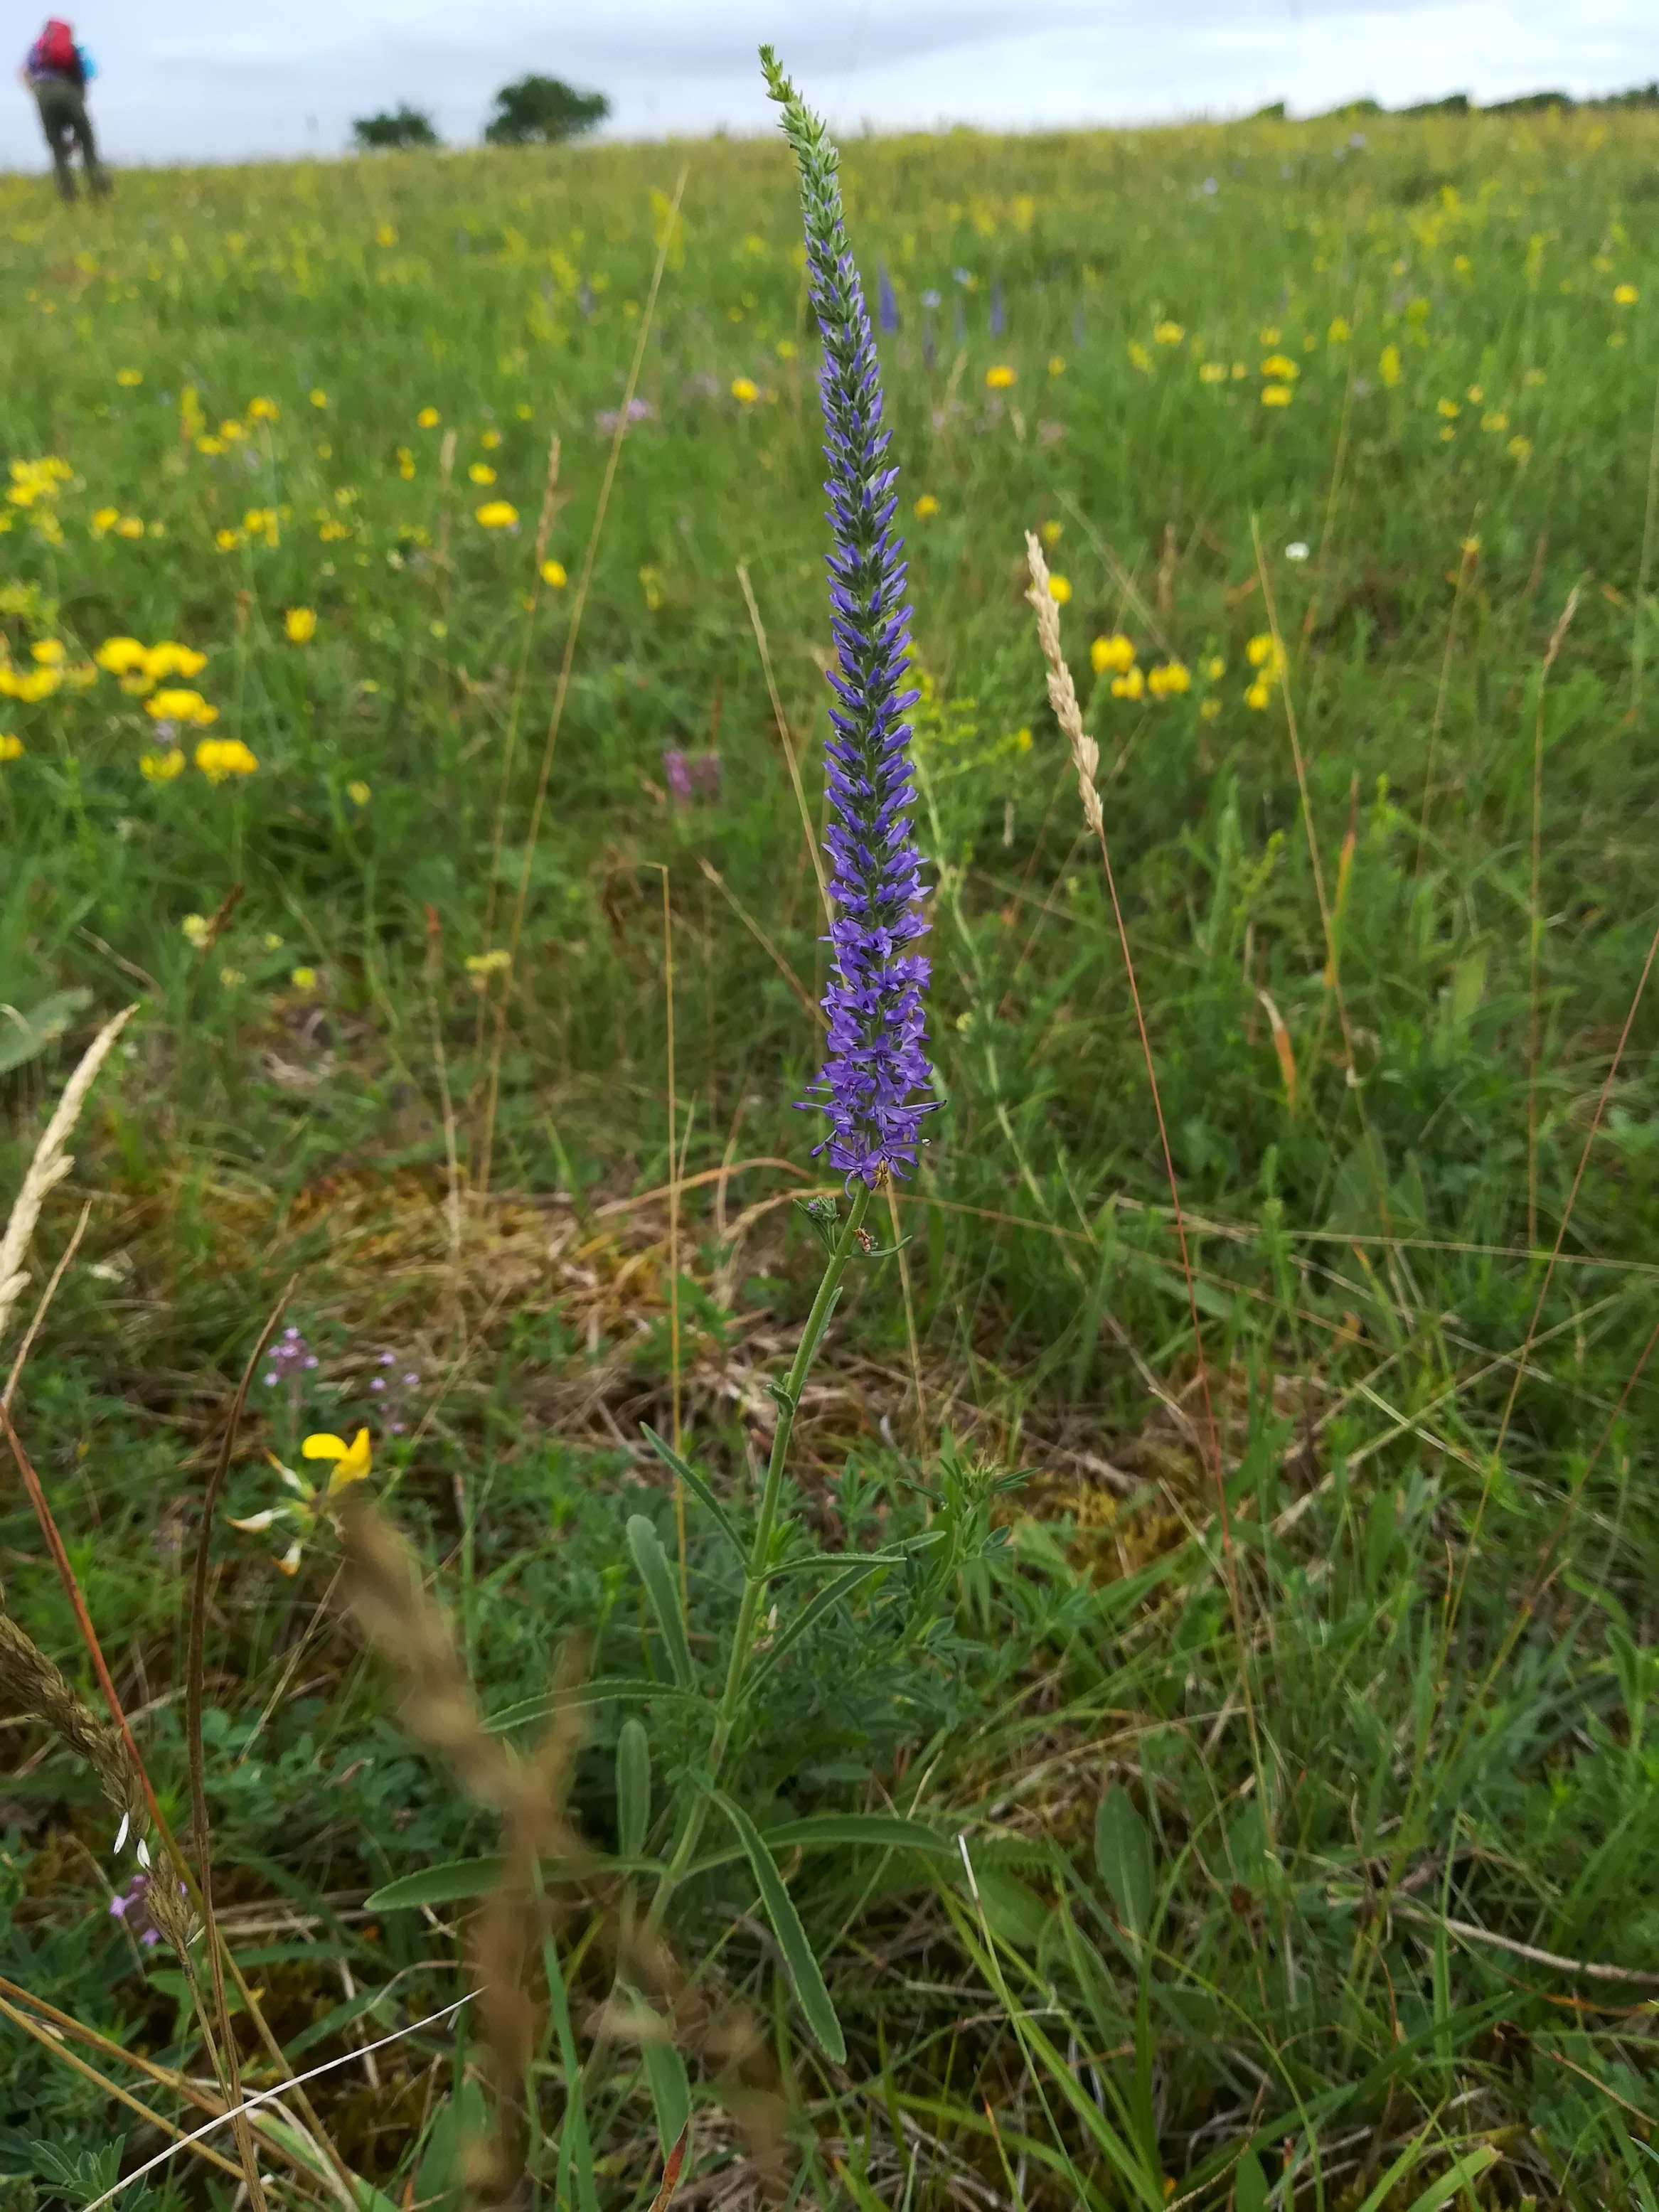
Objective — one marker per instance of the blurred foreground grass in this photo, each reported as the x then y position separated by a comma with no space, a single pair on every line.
1369,1894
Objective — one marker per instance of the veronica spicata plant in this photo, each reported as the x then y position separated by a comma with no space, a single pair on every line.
875,1082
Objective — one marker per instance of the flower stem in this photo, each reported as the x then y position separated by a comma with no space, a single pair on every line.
755,1575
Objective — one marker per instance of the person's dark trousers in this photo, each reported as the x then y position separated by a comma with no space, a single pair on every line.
64,120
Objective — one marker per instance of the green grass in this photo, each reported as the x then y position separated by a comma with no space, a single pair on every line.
1269,1828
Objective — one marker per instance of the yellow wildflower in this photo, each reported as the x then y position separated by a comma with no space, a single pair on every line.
128,378
1268,334
406,463
1211,708
490,440
1388,367
1140,358
319,399
168,658
553,574
11,747
1215,668
1001,377
481,473
1114,652
105,520
1449,408
1130,685
1338,332
497,514
161,768
1051,532
1168,679
180,706
197,930
428,418
1059,589
1624,295
49,652
1260,694
209,446
745,391
1280,368
304,979
351,1463
264,410
1262,653
925,506
300,625
1519,449
1275,395
130,527
1167,334
358,792
228,540
1056,364
219,758
121,655
1212,372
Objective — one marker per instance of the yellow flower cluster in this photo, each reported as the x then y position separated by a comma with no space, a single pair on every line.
300,625
141,667
219,758
1168,680
497,514
1266,657
1116,653
37,480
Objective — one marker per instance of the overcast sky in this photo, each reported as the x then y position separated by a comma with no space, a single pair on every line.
199,80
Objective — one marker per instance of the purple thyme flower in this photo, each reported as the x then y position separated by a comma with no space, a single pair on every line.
876,1063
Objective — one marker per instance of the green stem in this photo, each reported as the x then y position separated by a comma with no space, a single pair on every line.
756,1576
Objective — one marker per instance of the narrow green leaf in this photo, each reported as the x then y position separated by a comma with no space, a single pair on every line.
1249,2184
695,1483
809,1562
632,1790
654,1572
828,1598
810,1991
604,1690
1123,1859
879,1831
446,1884
812,1349
665,2070
1455,2178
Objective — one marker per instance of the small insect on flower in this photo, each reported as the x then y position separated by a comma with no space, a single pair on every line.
300,625
498,514
1000,377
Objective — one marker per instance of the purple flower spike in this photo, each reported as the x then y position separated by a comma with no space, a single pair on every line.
876,1064
676,773
886,306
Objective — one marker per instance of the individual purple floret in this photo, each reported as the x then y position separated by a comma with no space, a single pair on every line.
877,1067
290,1356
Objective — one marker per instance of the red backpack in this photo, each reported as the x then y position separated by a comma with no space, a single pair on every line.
56,48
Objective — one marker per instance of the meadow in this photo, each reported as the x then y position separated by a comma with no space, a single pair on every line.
1227,1780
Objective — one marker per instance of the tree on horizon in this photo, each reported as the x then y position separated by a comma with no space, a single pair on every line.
404,126
544,111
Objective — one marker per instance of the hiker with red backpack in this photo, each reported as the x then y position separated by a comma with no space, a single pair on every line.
56,72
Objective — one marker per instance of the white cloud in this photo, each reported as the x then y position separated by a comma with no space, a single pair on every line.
177,80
